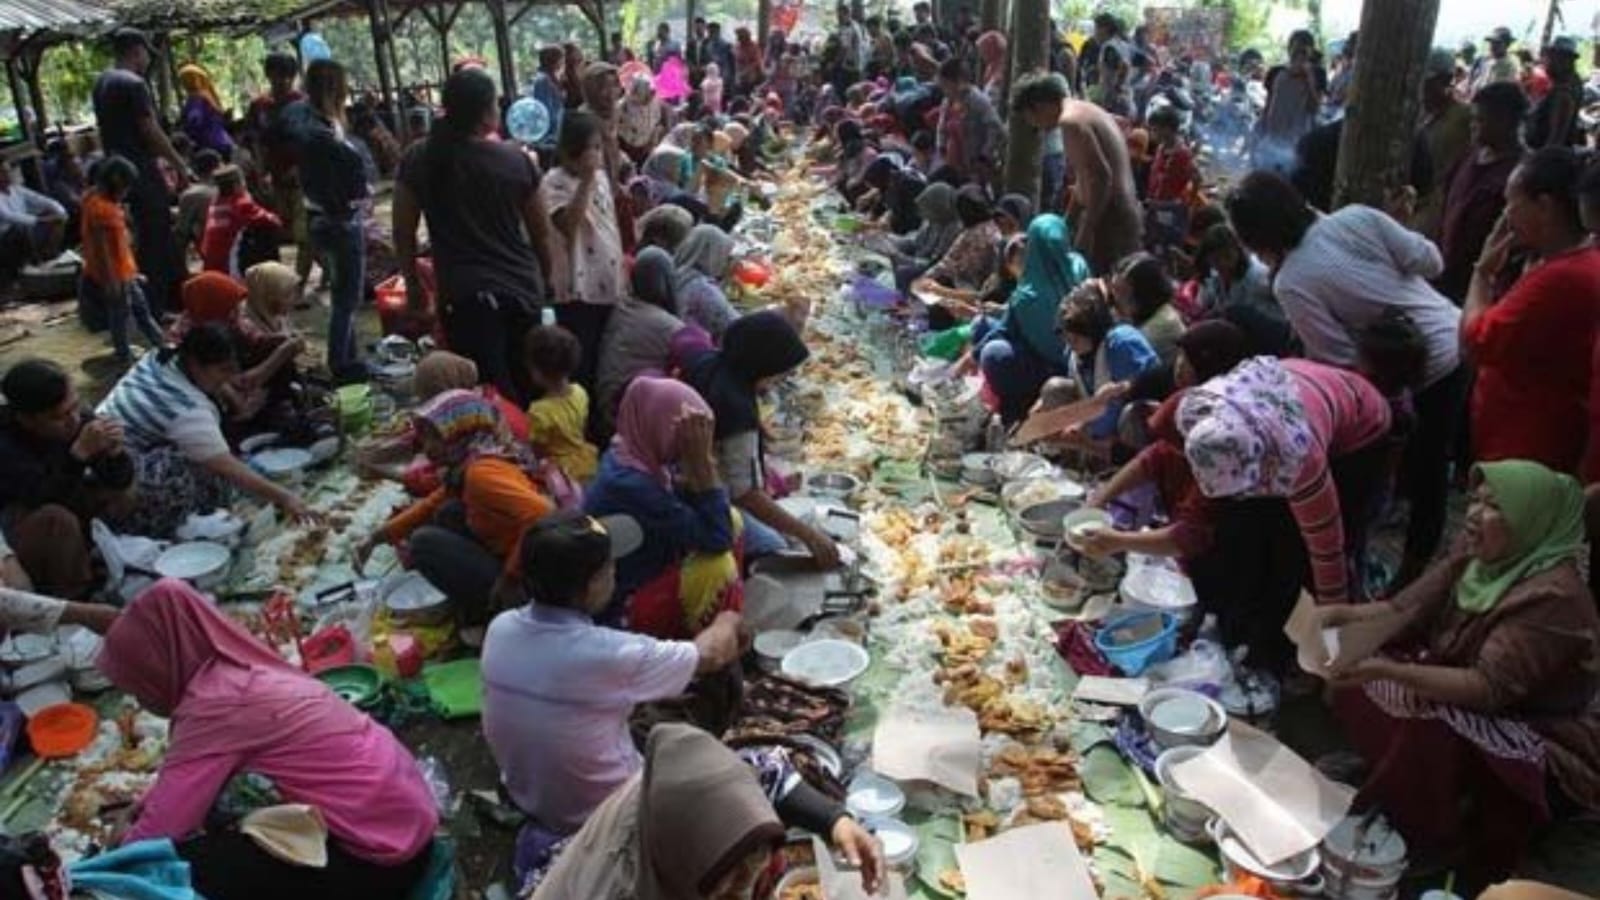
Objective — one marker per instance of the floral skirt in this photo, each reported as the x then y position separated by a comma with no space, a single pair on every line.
170,487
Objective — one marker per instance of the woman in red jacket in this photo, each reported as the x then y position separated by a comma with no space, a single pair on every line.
1533,345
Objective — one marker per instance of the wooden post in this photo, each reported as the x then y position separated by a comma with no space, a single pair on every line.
1379,124
1030,52
162,74
509,88
764,26
386,86
1551,17
29,58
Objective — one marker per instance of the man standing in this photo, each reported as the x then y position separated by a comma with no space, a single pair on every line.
275,131
58,468
1499,65
662,47
1106,220
1475,188
125,115
546,89
969,131
853,50
1446,132
698,51
719,51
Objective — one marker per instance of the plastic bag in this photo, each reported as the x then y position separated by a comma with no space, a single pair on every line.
1203,667
438,780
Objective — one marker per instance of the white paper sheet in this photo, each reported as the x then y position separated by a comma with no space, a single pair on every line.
1276,802
1112,691
1033,861
915,745
840,884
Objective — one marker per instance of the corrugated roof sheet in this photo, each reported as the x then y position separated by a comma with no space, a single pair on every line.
50,15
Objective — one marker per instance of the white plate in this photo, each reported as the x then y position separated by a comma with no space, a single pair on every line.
22,649
259,442
281,461
194,560
827,663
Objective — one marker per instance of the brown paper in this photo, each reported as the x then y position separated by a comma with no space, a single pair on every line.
1032,861
1323,651
943,747
1051,422
845,884
1276,802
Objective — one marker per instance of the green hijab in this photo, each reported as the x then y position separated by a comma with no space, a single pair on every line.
1544,510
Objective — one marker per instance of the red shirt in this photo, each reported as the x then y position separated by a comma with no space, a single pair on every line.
225,223
1533,350
1171,174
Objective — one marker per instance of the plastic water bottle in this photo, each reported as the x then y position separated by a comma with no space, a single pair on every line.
547,316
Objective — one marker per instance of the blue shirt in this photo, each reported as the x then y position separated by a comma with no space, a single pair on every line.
1127,354
675,524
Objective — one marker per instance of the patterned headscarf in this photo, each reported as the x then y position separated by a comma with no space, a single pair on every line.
197,79
1245,433
471,429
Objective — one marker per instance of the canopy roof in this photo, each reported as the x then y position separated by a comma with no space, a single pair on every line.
22,19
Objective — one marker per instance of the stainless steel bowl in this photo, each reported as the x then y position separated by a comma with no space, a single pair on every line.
837,485
1043,519
1178,717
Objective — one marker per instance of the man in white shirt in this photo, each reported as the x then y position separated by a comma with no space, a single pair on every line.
32,225
558,689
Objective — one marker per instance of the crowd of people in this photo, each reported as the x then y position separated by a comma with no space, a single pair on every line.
1284,377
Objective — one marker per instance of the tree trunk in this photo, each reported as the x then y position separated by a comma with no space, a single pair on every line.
992,14
1380,122
688,32
1551,17
1030,52
764,25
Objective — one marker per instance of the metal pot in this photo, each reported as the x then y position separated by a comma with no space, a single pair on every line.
1363,858
1299,875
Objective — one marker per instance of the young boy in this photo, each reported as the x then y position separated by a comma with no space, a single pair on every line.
195,202
1172,171
110,275
232,215
557,419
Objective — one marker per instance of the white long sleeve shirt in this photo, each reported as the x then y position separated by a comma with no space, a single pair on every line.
1351,266
24,206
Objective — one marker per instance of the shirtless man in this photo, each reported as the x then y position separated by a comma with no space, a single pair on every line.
1107,221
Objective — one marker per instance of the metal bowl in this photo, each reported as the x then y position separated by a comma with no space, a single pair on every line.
772,646
1179,717
1043,520
837,485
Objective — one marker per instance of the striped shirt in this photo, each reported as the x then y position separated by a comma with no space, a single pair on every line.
1352,266
1346,414
159,406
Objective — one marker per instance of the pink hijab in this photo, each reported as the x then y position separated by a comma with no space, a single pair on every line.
647,424
167,649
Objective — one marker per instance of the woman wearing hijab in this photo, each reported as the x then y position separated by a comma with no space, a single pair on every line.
972,258
991,48
1498,709
664,227
1012,214
641,119
1021,350
661,472
855,156
202,118
235,706
1272,431
465,534
756,350
1142,293
653,840
891,196
638,337
941,224
702,263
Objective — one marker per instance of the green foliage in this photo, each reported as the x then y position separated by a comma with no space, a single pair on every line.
1247,23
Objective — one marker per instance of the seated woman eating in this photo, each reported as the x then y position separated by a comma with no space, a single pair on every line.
639,332
1479,720
1101,353
236,707
1142,293
914,253
703,261
661,472
463,536
167,405
653,838
960,273
1019,351
757,350
1292,455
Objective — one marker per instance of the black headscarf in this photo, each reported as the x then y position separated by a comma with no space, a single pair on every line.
1016,206
759,345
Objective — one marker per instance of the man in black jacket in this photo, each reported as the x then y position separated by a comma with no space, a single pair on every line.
59,467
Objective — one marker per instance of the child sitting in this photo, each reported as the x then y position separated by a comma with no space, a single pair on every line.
557,419
233,215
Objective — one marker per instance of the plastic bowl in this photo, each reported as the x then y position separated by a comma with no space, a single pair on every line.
1134,656
826,663
62,730
357,684
1080,522
871,797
